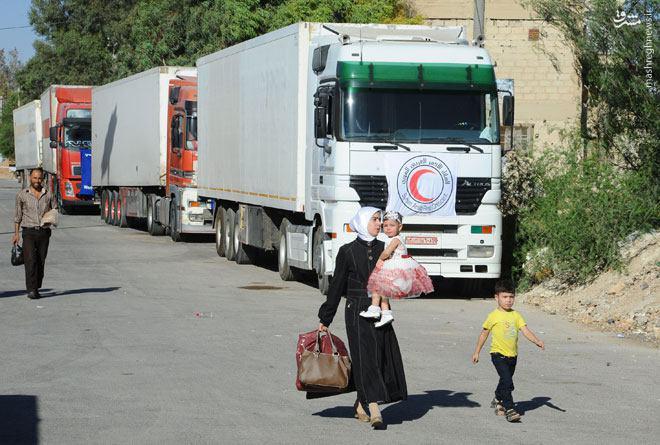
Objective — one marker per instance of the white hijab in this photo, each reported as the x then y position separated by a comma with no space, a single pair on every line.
361,220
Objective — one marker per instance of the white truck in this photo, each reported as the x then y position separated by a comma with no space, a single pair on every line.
137,132
296,128
27,139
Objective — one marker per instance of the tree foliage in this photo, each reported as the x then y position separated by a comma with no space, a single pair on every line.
617,64
95,41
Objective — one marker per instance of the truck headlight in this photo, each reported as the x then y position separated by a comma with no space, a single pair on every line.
68,189
480,251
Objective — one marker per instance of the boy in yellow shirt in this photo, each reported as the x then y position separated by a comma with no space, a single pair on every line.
504,323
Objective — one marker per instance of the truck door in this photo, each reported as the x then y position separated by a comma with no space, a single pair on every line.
177,126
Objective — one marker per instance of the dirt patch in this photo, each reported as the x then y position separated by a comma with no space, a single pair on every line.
625,303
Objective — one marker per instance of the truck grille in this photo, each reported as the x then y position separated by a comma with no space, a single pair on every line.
372,191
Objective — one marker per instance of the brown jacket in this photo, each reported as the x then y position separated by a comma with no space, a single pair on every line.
30,210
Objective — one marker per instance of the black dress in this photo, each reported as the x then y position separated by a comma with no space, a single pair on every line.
377,367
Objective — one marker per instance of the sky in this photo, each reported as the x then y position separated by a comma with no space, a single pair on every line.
15,13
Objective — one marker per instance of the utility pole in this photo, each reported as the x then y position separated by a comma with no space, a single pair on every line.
478,34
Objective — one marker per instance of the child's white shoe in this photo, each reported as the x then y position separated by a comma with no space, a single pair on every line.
372,312
386,318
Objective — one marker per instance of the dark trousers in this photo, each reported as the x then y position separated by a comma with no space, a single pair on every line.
505,367
35,249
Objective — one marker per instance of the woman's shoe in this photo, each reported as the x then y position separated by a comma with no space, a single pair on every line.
512,415
360,414
376,418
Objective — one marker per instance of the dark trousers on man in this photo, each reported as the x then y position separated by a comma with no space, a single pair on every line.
505,367
35,249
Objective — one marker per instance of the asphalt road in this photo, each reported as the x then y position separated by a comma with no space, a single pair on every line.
115,353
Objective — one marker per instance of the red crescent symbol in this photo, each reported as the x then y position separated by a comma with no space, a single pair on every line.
412,185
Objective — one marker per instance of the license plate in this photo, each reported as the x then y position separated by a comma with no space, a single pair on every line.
421,240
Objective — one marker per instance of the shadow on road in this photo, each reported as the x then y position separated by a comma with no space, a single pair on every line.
48,293
536,402
19,420
414,408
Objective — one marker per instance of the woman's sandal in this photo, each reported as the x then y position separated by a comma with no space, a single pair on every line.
512,415
360,414
376,418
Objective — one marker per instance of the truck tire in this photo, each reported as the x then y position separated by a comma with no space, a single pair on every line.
286,273
113,209
323,280
153,227
220,232
230,253
104,205
117,211
174,229
239,248
121,212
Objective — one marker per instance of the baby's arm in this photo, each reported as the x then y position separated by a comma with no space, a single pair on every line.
480,344
387,253
531,337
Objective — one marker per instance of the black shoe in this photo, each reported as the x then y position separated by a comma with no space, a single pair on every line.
36,292
34,295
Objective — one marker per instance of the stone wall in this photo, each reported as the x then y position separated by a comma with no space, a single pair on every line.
527,50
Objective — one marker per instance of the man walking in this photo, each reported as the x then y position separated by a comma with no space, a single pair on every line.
31,205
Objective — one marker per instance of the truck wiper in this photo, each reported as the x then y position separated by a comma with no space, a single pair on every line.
385,147
454,141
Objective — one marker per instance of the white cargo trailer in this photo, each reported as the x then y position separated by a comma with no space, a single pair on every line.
130,128
300,127
27,139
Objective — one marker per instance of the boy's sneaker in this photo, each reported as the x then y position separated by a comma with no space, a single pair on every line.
372,312
386,318
512,415
497,406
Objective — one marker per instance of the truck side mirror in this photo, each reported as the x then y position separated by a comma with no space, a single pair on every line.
53,135
320,127
507,110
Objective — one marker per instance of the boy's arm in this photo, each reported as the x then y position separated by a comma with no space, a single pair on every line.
480,344
531,337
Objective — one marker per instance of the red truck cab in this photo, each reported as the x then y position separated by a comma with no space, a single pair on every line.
67,121
182,137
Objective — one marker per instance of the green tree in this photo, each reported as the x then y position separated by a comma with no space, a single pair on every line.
9,66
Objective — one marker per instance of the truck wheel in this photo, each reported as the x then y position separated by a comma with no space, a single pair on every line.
220,229
319,262
174,230
283,267
112,208
121,212
153,227
115,205
230,253
240,249
104,206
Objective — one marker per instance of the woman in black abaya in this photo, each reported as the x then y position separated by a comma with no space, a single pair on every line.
377,367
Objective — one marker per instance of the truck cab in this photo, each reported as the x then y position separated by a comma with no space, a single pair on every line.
413,105
69,139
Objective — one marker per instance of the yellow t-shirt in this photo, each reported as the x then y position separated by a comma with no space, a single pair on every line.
504,327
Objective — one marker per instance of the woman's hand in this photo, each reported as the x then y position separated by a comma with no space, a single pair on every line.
323,327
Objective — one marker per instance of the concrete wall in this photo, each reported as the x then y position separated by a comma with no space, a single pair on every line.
546,85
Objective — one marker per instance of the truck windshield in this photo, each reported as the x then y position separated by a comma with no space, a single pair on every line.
77,136
422,116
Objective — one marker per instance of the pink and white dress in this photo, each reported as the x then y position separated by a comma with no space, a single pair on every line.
401,276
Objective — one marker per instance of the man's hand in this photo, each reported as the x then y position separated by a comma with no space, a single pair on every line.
323,327
14,239
541,345
475,358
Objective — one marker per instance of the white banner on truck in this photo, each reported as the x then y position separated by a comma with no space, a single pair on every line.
421,184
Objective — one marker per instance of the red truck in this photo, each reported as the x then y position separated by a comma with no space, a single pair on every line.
66,118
